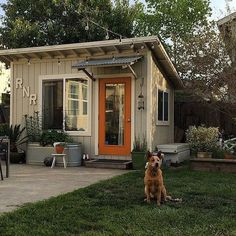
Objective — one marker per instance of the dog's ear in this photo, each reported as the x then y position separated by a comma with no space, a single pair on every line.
160,155
148,155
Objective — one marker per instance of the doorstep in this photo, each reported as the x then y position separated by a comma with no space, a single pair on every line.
110,164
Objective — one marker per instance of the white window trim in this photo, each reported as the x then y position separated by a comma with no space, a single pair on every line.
64,77
162,122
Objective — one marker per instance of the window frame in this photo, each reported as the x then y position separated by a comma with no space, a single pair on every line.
163,122
64,77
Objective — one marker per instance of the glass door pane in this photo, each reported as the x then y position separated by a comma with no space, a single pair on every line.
114,114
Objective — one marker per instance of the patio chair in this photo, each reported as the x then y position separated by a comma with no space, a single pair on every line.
56,155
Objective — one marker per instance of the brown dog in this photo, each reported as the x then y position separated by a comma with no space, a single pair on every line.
153,180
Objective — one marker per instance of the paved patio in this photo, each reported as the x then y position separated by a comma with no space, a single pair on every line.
29,183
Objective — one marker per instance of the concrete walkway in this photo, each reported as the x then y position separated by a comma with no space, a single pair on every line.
33,183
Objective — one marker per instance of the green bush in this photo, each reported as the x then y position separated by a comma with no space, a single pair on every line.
49,137
202,139
218,153
140,144
4,128
33,126
15,135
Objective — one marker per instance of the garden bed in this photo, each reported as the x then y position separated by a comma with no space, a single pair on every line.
209,164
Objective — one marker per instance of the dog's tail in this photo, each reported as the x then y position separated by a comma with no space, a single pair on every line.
171,199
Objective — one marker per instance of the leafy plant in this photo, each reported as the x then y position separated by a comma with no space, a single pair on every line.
33,126
14,134
202,139
4,129
49,137
140,144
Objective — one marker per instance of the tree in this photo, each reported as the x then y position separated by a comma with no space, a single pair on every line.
46,22
206,70
173,20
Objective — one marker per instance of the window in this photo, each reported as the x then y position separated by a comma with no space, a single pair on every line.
163,106
65,104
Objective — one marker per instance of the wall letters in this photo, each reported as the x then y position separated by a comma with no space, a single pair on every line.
26,91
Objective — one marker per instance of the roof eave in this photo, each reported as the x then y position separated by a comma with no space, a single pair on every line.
87,50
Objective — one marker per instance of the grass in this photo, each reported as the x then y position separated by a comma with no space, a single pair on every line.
116,207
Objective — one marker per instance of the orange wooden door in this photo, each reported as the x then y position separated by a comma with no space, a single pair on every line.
115,116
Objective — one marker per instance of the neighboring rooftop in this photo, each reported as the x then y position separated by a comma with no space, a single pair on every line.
227,19
227,27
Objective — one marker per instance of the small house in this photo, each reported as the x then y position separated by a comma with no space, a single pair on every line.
104,93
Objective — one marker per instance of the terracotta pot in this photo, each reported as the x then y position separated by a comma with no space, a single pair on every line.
59,149
204,155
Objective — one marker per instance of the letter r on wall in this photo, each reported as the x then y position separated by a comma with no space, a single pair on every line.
19,83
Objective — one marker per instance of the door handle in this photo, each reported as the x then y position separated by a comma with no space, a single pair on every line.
129,120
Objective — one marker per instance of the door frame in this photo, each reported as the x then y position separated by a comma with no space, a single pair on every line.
113,149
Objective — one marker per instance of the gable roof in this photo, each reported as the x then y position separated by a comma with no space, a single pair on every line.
98,49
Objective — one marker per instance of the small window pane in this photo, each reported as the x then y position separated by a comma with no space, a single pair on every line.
160,105
85,108
166,106
52,104
84,92
76,105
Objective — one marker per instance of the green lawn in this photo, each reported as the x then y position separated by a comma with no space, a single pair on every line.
116,207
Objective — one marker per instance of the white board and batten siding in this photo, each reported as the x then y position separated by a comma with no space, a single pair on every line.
31,74
161,132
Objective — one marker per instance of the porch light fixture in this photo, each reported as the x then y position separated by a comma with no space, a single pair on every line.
141,101
29,62
141,97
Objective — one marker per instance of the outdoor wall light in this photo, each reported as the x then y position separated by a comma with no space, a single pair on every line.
141,101
140,96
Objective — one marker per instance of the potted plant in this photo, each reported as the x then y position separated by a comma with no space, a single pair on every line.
49,137
139,153
202,140
33,126
59,147
16,138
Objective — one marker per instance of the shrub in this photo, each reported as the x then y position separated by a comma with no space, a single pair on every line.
49,137
4,129
202,139
33,126
140,144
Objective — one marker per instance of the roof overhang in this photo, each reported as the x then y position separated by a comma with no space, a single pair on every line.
99,49
226,19
106,62
227,28
115,61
